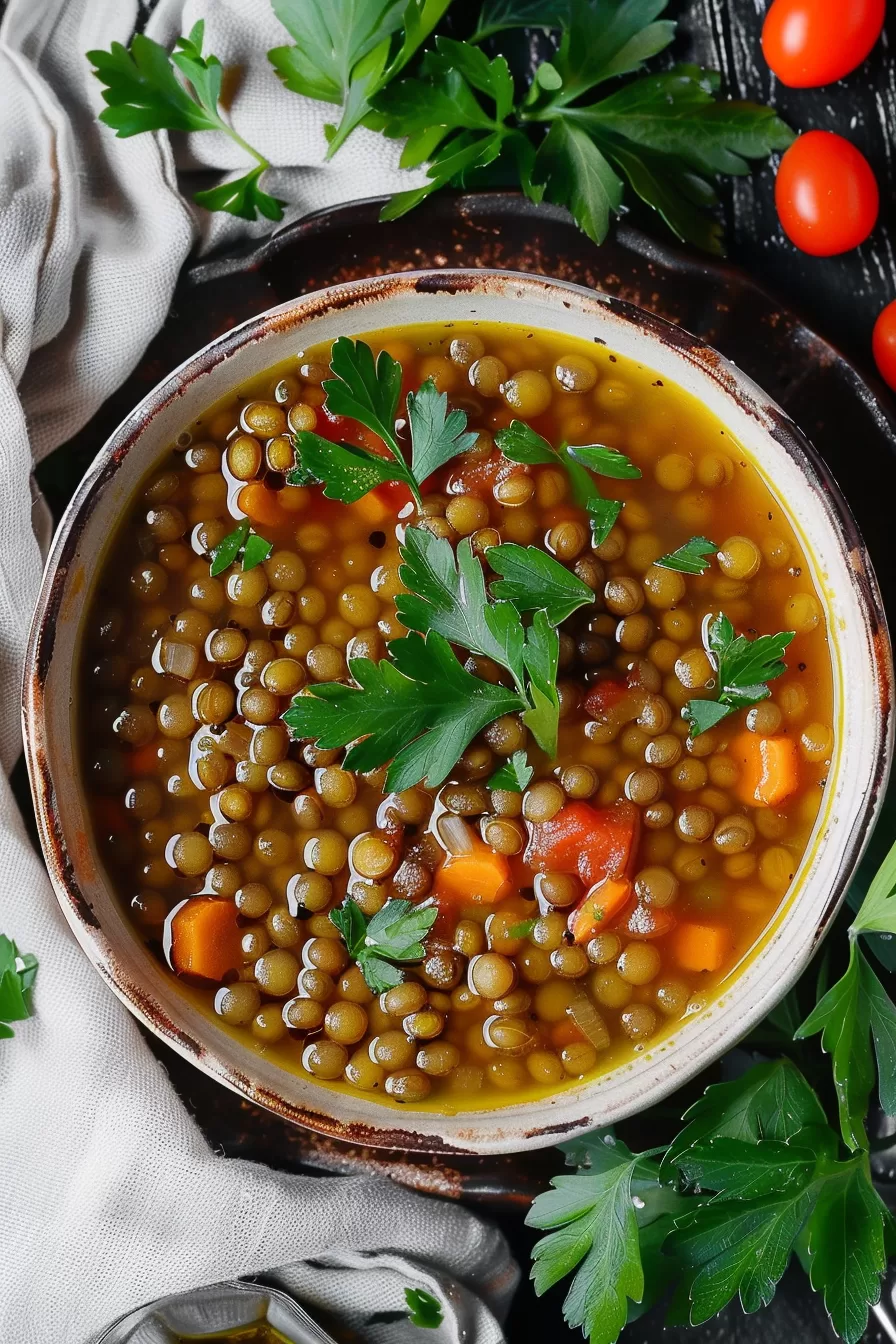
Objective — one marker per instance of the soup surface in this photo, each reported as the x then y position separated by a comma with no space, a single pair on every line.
535,795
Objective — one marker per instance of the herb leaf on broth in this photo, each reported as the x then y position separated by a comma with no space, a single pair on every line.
394,934
541,656
520,443
514,775
531,579
743,667
418,708
143,93
242,540
368,391
691,558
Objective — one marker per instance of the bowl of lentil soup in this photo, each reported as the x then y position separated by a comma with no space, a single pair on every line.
453,669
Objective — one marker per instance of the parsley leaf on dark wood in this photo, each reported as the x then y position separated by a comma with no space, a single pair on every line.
576,174
743,667
241,541
498,15
847,1237
514,775
395,934
17,975
418,709
532,579
143,93
691,558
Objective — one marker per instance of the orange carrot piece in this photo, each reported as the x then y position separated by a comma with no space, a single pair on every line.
481,876
204,938
263,506
769,768
700,947
145,760
598,907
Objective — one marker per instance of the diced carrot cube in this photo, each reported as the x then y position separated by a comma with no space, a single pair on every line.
598,908
202,938
480,876
263,506
701,947
769,768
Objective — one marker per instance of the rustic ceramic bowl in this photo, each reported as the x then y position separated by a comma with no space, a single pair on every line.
862,700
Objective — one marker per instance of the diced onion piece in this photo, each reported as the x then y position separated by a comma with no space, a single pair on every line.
234,741
175,658
589,1021
455,834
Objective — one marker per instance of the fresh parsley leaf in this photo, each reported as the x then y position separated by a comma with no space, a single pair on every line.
877,913
364,390
437,435
368,392
531,579
574,173
596,1219
395,934
541,656
745,1169
346,53
771,1101
605,461
143,93
744,666
847,1236
447,594
424,1310
691,558
346,472
242,540
523,929
514,775
738,1247
603,514
418,709
603,39
17,974
498,15
520,443
855,1012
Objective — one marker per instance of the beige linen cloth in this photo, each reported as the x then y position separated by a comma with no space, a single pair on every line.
110,1195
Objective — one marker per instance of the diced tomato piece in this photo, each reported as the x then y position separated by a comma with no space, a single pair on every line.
593,842
481,876
603,696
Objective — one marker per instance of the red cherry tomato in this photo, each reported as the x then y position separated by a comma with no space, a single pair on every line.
826,194
813,42
884,344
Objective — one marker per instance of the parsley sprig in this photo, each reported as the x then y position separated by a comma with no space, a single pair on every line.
143,93
17,975
755,1175
744,667
391,938
691,558
514,775
419,708
242,543
368,390
520,443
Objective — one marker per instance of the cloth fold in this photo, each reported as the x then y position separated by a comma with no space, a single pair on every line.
111,1195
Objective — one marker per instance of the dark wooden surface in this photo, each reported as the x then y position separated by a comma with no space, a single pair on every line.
841,297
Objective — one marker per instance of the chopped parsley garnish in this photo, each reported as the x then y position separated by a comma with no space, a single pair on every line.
523,929
514,775
244,542
520,443
743,667
143,93
533,580
368,391
393,937
16,978
691,558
